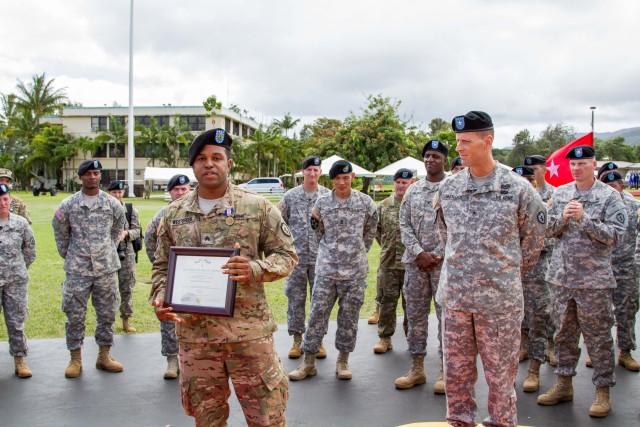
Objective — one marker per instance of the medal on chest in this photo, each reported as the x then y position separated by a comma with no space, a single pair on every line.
229,212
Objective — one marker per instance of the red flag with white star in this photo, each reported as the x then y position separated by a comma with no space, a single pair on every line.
558,172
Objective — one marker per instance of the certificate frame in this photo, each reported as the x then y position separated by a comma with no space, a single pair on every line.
188,288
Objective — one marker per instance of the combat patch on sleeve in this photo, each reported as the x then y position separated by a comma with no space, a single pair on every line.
542,217
59,216
375,215
285,229
314,223
620,217
282,206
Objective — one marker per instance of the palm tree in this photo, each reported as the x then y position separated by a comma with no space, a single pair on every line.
263,141
286,124
149,139
175,141
39,98
116,133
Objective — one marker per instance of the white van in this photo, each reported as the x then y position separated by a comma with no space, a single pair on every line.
264,185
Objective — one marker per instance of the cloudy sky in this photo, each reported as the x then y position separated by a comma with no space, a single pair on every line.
527,63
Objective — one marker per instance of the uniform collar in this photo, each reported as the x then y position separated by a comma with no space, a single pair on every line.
227,200
492,185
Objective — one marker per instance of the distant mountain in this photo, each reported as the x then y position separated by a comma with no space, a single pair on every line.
631,135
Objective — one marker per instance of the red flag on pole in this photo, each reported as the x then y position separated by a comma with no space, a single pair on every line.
558,172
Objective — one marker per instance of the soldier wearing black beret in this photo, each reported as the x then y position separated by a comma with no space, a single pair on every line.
115,185
435,145
177,180
211,137
581,152
88,165
611,177
609,166
403,173
311,161
526,172
535,159
473,121
340,167
456,165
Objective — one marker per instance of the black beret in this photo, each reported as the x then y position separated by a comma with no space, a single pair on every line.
609,166
88,165
455,162
611,176
4,189
115,185
435,145
340,167
177,180
211,137
581,152
473,121
403,173
311,161
536,159
523,170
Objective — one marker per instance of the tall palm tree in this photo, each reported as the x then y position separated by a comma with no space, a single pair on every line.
116,134
175,139
264,141
286,124
149,139
39,98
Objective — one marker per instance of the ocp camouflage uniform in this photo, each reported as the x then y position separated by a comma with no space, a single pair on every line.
419,234
346,230
491,231
295,207
582,279
169,346
390,276
17,252
18,207
625,271
87,237
127,271
214,348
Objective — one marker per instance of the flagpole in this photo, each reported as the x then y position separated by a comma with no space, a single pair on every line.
593,116
130,151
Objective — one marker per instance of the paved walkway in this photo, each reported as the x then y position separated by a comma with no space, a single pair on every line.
140,397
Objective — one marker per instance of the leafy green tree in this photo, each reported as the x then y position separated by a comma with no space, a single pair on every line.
286,124
554,137
263,141
438,125
50,148
614,150
175,139
523,145
115,135
39,98
149,139
212,105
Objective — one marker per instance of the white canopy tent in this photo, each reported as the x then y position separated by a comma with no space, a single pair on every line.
165,174
328,162
409,163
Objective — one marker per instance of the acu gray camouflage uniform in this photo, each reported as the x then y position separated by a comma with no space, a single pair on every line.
582,279
87,238
419,234
491,232
127,271
346,230
17,252
295,207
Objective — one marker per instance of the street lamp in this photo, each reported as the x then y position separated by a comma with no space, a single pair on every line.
593,114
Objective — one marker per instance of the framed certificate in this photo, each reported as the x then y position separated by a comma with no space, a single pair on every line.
196,284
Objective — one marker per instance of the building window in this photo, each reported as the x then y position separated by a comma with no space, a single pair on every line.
98,123
146,120
251,132
116,152
227,125
162,120
139,151
236,128
109,175
196,123
244,130
101,151
120,119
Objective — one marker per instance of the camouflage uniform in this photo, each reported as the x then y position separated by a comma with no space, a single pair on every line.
214,348
583,301
390,276
87,238
18,207
419,234
346,230
127,271
491,232
17,252
169,346
296,207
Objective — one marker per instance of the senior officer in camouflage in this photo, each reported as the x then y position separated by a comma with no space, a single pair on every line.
423,261
17,206
295,206
493,224
345,221
212,348
127,271
390,276
87,227
588,218
625,271
17,252
177,187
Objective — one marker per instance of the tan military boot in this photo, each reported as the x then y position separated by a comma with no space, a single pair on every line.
383,346
171,373
375,317
295,352
105,362
532,382
601,404
306,369
322,353
438,387
75,364
625,359
588,363
342,366
415,375
562,391
524,341
22,370
551,353
126,326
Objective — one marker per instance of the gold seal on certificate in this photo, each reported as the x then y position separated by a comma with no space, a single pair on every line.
196,283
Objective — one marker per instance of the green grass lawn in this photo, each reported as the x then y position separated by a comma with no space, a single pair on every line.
46,319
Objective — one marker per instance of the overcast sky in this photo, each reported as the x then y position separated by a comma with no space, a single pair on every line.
527,63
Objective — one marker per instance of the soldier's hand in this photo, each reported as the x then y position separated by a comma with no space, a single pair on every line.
239,269
123,235
427,260
572,210
165,313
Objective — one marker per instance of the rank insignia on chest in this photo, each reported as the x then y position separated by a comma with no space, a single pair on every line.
207,238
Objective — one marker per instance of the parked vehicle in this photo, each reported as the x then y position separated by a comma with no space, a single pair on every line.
43,185
264,185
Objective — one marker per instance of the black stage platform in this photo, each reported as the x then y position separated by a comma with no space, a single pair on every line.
141,397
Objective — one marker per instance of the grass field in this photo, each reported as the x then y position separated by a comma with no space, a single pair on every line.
46,319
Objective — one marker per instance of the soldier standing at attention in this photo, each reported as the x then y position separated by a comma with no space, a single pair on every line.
345,221
456,165
214,349
177,187
17,206
391,271
493,224
588,218
17,251
87,227
296,205
127,272
423,261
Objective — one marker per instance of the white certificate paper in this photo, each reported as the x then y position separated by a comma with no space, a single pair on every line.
199,281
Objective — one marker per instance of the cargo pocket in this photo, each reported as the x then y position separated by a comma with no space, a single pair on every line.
274,392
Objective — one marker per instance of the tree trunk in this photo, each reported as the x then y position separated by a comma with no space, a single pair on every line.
365,185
